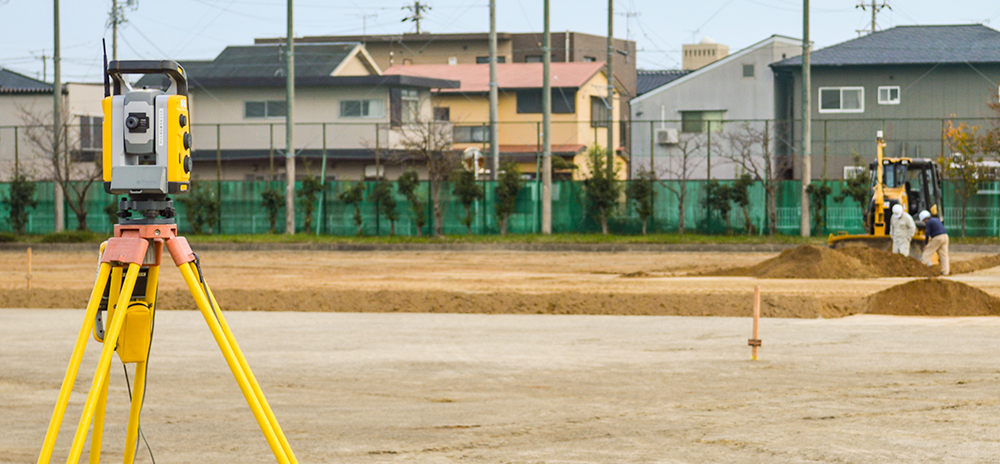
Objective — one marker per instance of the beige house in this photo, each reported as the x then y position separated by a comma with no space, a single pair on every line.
345,108
25,101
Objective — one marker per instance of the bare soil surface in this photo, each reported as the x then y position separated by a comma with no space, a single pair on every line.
933,297
459,388
493,283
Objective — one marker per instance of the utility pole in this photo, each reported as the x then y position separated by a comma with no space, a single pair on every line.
804,226
290,126
875,8
416,9
59,194
611,88
494,98
116,17
546,126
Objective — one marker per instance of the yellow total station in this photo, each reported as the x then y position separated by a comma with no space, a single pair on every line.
147,131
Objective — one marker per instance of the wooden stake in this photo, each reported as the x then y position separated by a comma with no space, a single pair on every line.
755,341
28,276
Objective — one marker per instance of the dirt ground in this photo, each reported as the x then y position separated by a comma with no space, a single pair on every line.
454,388
526,387
465,282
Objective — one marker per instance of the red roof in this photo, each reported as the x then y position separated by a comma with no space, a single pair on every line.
475,78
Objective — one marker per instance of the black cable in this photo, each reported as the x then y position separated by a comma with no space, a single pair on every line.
204,286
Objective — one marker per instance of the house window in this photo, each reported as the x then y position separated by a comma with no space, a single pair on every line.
599,112
748,70
442,113
589,59
533,59
486,59
701,121
265,109
404,106
91,137
362,109
471,134
841,99
888,95
530,101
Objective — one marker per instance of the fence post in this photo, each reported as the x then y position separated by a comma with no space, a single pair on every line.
652,148
17,166
270,152
708,160
322,184
218,174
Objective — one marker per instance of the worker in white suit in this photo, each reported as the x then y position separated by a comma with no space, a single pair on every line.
901,229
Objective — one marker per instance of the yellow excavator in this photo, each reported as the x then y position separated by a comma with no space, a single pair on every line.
914,183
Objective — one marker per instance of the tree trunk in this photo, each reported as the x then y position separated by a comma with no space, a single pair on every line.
965,204
468,220
503,225
392,227
81,221
747,220
680,209
644,220
604,222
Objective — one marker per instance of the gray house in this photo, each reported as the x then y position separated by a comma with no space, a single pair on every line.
909,81
702,103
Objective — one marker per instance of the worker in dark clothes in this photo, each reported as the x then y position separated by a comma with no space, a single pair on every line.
937,240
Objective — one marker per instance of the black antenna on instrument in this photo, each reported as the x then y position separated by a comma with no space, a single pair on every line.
107,77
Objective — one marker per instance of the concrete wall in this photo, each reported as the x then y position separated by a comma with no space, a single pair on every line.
437,51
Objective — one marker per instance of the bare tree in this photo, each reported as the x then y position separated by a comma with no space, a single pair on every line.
679,167
67,165
750,149
430,144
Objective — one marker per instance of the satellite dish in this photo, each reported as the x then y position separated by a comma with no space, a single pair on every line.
473,160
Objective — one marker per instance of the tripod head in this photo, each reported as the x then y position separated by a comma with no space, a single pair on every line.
147,149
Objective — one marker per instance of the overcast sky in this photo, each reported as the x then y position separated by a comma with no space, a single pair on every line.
200,29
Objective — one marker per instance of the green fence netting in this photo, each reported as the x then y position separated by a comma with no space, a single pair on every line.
243,212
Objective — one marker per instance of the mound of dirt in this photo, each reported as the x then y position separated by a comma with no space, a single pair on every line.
888,264
932,297
806,262
975,264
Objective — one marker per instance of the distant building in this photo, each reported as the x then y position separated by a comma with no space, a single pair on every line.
579,114
699,55
473,48
20,96
907,81
737,87
238,110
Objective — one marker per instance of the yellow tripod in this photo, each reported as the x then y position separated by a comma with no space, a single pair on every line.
134,248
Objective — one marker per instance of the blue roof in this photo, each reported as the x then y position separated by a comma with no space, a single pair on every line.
12,82
647,80
901,45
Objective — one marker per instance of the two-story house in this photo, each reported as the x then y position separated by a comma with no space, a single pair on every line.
345,110
579,110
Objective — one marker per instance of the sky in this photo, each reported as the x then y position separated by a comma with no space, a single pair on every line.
200,29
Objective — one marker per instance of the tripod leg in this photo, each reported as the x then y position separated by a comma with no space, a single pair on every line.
132,436
253,381
74,364
97,435
139,385
190,274
104,363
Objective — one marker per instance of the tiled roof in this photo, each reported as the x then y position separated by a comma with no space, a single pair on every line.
269,61
475,78
12,82
971,43
647,80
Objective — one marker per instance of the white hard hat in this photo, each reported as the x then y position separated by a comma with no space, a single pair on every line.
897,210
924,215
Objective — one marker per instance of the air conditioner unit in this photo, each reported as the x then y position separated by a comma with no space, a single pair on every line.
666,137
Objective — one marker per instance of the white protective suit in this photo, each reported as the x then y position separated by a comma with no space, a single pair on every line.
901,229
